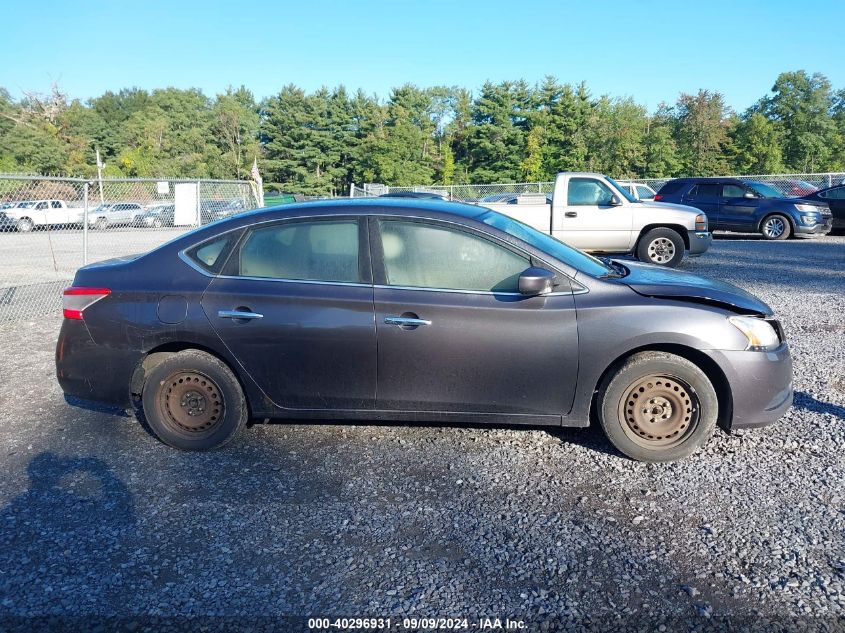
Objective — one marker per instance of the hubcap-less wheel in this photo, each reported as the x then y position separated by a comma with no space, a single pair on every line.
659,411
25,225
773,228
191,403
661,250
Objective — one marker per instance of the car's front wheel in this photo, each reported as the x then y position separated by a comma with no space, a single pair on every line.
101,224
658,407
192,401
25,225
776,227
661,246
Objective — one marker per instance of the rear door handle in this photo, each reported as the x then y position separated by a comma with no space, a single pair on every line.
406,321
571,214
238,314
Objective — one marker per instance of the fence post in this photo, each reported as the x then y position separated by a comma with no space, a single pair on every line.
830,180
199,203
351,189
85,224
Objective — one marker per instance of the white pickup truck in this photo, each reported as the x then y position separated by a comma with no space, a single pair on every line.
28,214
591,212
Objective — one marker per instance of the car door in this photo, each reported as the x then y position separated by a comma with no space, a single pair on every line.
835,199
455,335
41,212
295,308
705,196
736,210
588,219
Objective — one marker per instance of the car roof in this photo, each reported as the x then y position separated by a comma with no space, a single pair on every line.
367,206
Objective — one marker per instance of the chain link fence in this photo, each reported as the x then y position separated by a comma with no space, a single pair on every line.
787,184
49,227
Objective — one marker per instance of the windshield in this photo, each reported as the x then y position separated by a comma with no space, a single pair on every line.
623,190
765,191
547,244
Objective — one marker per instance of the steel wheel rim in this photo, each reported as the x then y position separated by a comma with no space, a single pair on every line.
774,227
659,411
191,403
661,250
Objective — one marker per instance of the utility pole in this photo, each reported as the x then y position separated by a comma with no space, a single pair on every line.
99,176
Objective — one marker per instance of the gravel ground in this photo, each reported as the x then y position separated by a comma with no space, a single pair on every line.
98,521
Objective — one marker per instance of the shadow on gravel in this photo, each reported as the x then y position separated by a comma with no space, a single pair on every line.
808,403
72,523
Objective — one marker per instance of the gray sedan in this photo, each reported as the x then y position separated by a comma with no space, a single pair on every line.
380,309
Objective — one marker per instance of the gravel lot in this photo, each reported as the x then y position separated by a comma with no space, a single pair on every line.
553,528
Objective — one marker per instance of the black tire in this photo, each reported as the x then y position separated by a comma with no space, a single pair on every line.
679,414
776,227
193,401
101,224
661,246
157,223
25,225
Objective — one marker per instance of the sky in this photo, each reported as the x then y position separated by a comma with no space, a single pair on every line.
651,51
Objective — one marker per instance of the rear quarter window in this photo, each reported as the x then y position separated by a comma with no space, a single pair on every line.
212,254
671,187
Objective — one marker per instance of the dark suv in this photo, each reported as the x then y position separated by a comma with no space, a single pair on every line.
748,206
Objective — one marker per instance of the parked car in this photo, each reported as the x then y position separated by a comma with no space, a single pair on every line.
115,214
6,224
213,210
594,213
749,207
157,216
637,189
421,311
29,214
793,188
834,198
519,198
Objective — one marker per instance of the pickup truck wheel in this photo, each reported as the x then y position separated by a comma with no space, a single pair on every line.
192,401
658,407
776,227
25,225
661,246
101,224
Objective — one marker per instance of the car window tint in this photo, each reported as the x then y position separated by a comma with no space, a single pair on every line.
705,190
41,205
423,255
588,192
834,194
312,251
209,253
673,186
56,204
733,191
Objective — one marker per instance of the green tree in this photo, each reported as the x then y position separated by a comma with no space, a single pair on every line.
756,146
701,133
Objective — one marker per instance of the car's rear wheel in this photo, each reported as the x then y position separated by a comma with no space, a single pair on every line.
193,401
776,227
658,407
25,225
157,223
101,224
661,246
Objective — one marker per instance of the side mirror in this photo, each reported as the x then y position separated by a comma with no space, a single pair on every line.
615,201
536,281
749,194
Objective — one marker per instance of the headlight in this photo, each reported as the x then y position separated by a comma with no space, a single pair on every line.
701,222
759,332
807,208
809,219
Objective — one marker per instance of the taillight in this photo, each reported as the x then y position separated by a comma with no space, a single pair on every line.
75,300
658,197
701,222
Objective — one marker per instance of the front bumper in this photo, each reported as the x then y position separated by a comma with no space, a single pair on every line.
821,228
760,384
699,241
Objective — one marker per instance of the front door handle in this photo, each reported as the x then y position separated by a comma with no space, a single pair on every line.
405,321
571,214
238,314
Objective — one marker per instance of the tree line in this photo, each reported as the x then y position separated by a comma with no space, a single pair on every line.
319,142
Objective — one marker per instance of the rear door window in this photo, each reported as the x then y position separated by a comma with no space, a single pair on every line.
706,190
324,250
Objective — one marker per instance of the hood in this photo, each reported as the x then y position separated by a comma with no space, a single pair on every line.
656,281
